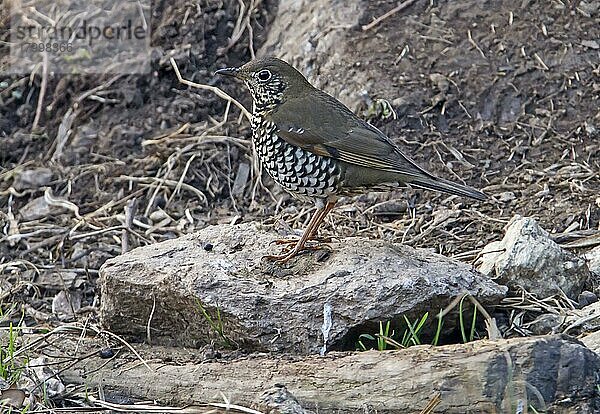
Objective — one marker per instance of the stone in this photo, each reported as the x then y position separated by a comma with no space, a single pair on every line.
39,208
33,178
586,298
593,259
316,55
528,258
592,341
278,400
546,324
553,374
65,304
188,295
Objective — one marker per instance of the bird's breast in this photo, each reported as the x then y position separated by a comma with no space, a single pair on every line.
300,172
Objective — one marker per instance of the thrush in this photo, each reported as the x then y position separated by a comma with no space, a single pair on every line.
317,149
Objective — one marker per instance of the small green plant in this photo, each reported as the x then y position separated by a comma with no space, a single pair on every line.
216,324
413,331
471,336
10,368
384,333
411,335
380,109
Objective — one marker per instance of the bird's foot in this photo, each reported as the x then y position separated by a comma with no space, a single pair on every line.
293,241
289,252
281,258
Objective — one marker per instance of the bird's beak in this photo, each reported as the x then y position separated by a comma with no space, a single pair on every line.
234,72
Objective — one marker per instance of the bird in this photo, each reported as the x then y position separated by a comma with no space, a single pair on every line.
318,150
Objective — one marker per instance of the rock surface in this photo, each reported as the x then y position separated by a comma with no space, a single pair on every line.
593,258
526,257
279,400
556,373
32,178
213,285
592,341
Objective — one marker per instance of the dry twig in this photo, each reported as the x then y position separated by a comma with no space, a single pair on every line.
213,89
381,18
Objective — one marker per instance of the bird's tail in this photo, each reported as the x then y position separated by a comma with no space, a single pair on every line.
445,186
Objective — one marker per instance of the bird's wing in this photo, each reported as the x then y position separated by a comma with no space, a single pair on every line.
332,130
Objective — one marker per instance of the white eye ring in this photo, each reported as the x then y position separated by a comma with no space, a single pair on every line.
264,75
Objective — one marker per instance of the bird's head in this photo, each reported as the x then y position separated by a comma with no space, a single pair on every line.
271,81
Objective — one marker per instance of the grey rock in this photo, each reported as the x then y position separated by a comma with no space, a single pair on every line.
586,319
65,304
32,178
527,257
586,298
278,400
593,259
506,197
546,324
592,341
47,375
553,374
186,293
39,208
241,179
317,50
59,279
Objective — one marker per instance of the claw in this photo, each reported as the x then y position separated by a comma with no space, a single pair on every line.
290,252
281,259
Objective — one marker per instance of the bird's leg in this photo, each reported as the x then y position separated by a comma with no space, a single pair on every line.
310,232
310,235
315,220
310,238
325,210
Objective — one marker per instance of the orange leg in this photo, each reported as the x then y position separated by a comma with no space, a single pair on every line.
309,233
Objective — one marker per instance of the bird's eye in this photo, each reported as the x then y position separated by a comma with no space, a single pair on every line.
264,75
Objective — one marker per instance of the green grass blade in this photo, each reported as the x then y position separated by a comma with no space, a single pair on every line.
413,335
461,319
473,323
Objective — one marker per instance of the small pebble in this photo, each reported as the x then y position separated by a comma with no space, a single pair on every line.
507,196
208,247
107,353
158,215
586,298
322,255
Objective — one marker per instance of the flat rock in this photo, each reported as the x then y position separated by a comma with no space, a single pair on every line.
213,286
527,257
32,178
553,374
39,208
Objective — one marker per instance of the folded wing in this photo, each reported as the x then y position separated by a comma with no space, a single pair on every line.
332,130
